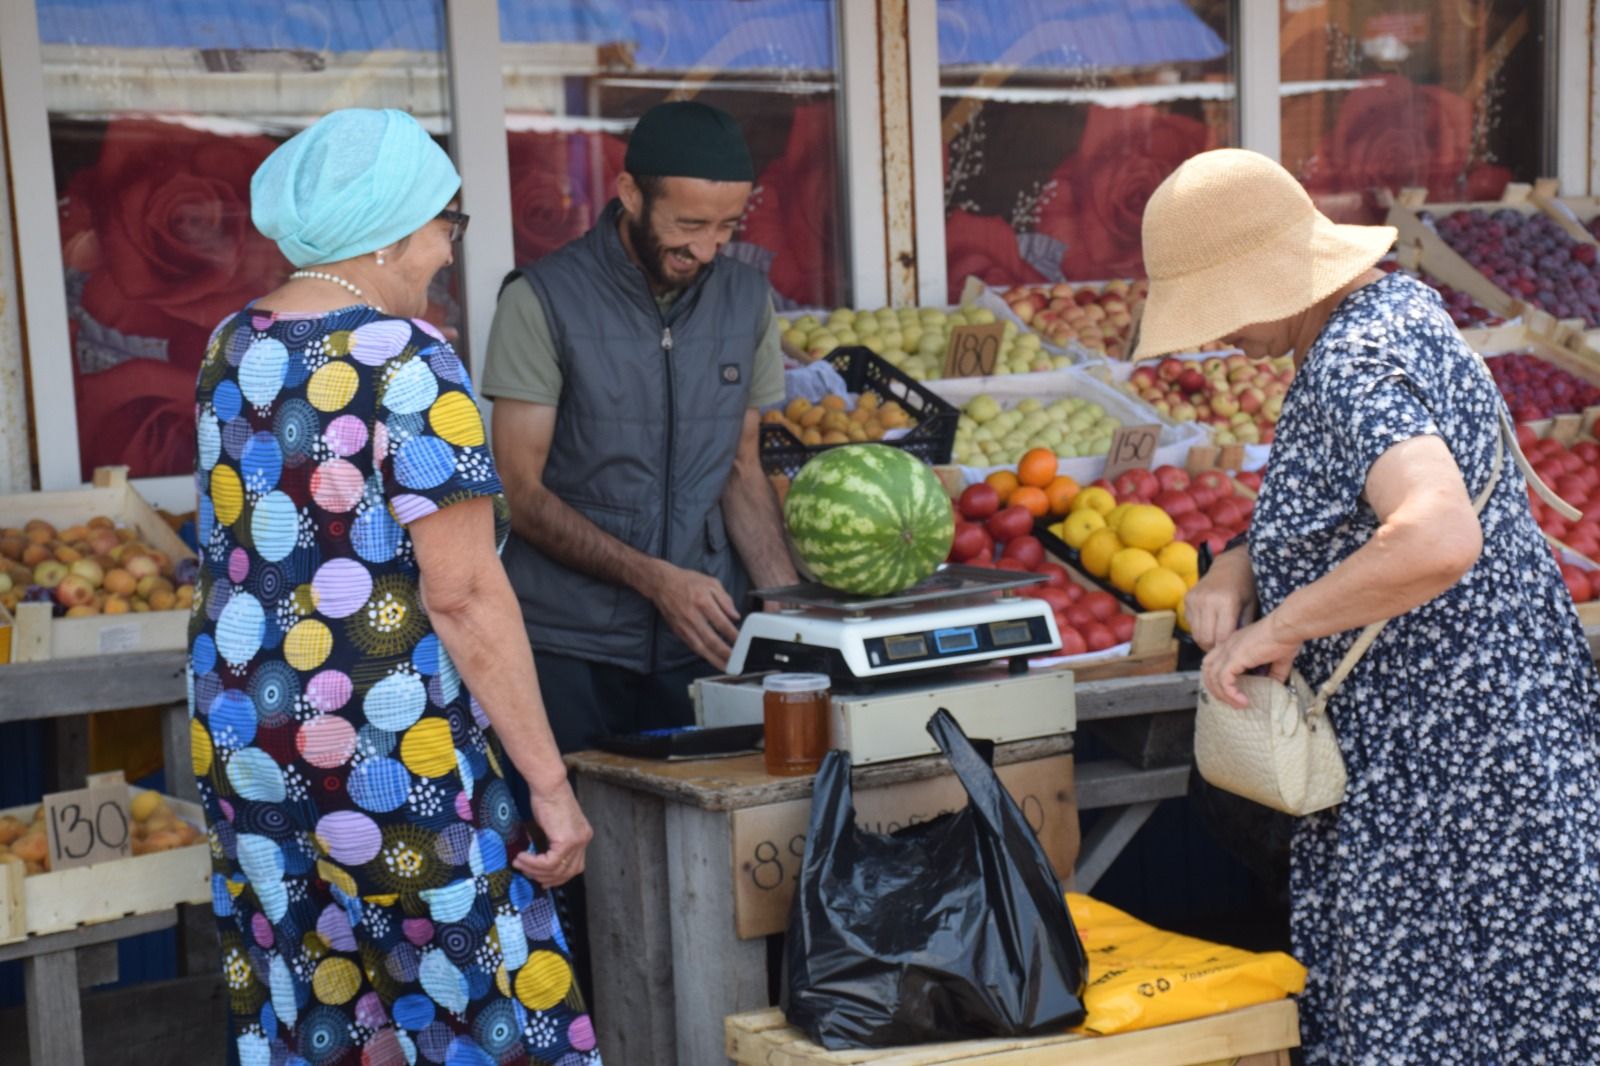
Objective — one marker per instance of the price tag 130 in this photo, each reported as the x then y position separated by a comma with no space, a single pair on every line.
88,825
973,350
1132,448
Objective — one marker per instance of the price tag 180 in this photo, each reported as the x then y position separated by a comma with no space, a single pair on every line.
1132,448
973,350
88,825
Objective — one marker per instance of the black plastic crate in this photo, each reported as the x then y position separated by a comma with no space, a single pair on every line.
929,439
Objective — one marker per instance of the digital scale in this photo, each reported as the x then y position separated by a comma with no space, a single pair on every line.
959,640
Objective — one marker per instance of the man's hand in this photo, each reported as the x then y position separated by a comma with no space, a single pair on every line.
567,833
698,609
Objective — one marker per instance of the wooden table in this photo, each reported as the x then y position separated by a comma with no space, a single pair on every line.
678,846
57,966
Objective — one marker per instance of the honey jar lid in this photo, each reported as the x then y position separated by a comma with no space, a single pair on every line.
796,682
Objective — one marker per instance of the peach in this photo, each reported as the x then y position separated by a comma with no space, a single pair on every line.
119,582
103,541
185,596
162,600
100,521
74,591
140,566
40,532
12,545
49,573
83,610
150,584
72,533
90,571
163,561
104,562
68,555
116,605
140,607
34,554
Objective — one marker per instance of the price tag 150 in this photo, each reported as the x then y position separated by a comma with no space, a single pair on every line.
88,825
1132,448
973,350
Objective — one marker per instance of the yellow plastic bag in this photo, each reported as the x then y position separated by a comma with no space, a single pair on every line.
1140,976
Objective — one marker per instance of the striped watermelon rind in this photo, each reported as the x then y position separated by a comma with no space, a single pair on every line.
868,519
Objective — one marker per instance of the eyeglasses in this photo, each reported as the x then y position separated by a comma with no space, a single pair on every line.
458,222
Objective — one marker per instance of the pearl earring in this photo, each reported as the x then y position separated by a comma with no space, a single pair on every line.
380,259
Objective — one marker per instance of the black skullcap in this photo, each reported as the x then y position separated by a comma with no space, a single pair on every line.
685,139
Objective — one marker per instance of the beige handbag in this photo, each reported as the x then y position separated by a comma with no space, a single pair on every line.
1280,749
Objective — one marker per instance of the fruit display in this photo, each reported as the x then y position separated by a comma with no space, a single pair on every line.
90,569
868,520
914,338
1097,317
990,534
1528,256
1534,388
989,435
1465,312
155,828
1239,397
1573,473
839,420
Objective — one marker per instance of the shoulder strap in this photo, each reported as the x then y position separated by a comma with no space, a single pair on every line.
1370,634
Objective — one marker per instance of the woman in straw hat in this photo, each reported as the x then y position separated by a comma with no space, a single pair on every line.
1449,910
359,673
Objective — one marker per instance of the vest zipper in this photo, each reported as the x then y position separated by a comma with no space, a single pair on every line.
666,481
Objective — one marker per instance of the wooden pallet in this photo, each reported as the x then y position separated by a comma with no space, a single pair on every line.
105,891
36,634
1253,1036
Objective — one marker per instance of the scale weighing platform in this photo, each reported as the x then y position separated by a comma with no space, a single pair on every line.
959,640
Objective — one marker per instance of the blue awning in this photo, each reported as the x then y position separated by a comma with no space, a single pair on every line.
664,35
1073,35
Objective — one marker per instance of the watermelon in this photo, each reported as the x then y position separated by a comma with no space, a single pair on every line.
868,519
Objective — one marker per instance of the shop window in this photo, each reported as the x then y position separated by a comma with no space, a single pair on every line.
1061,117
1377,95
577,75
158,116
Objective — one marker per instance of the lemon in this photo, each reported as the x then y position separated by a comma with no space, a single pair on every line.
146,804
1096,553
1128,564
1096,498
1115,516
1159,589
1078,525
1146,526
1183,618
1180,558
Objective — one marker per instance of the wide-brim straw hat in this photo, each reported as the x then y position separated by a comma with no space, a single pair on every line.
1231,239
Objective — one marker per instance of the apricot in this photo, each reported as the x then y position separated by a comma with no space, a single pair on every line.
150,584
100,521
163,840
162,600
11,828
119,582
30,847
83,610
185,595
68,555
140,566
72,533
40,532
116,605
32,868
12,545
34,554
103,541
162,560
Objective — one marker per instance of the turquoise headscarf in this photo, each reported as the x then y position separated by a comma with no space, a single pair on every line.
355,181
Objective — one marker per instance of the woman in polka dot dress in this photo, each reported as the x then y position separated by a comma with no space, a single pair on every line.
358,666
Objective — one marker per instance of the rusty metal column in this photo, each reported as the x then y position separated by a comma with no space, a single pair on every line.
15,475
900,215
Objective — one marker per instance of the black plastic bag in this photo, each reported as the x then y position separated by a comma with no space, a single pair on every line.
952,929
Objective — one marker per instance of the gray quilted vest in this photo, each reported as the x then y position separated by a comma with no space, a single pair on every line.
652,404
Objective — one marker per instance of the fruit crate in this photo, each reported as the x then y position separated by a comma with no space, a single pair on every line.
929,439
1512,339
59,900
1153,648
36,634
1420,247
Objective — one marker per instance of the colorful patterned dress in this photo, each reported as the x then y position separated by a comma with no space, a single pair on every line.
361,830
1448,912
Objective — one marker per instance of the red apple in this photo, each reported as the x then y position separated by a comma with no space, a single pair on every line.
1101,604
1072,642
970,540
979,502
1012,522
1024,549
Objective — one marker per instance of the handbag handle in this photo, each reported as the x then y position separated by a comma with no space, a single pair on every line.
1370,633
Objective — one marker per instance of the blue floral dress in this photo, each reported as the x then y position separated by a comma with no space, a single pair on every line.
1449,910
361,828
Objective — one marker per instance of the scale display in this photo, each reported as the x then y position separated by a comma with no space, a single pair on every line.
949,642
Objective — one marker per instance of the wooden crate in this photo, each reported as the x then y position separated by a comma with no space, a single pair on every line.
1254,1036
36,634
101,892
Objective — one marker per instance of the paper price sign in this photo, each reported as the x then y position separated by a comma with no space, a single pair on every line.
972,350
1132,448
88,825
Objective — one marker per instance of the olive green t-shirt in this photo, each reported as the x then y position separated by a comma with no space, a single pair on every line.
522,363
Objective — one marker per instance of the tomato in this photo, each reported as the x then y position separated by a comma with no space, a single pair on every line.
1075,591
1072,642
1099,637
1010,523
1172,478
1175,503
1121,627
1079,615
1578,583
1102,605
1055,575
971,540
979,501
1013,564
1025,549
1058,600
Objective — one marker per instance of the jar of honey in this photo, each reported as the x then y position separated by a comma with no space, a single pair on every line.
795,708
